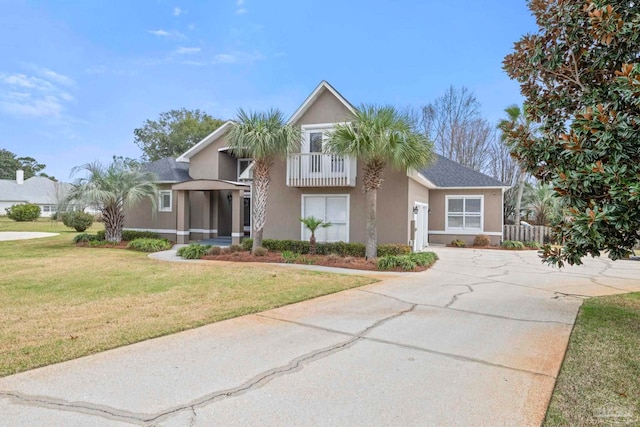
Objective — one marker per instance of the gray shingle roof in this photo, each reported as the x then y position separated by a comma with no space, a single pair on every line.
169,170
447,173
37,189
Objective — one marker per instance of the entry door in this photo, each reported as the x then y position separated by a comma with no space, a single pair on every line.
422,227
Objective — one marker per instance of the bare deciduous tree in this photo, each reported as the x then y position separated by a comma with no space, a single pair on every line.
453,122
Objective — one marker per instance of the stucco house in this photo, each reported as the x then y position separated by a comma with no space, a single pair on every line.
37,189
206,192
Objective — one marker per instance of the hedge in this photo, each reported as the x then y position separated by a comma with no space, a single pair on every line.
326,248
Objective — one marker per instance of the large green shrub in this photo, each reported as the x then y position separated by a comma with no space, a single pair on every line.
79,221
393,249
24,212
193,251
149,245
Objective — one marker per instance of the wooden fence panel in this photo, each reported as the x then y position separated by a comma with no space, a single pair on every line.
523,233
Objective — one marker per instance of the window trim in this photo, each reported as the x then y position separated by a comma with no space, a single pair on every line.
238,160
463,228
161,207
347,223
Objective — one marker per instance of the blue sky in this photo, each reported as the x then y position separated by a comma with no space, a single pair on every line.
77,77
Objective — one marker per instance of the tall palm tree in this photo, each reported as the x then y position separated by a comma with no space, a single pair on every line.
379,136
516,121
112,189
263,136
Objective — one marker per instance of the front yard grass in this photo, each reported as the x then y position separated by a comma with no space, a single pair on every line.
599,383
59,301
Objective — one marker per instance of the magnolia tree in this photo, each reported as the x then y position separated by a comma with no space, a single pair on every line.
580,74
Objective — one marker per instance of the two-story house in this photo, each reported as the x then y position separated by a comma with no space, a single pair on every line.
206,192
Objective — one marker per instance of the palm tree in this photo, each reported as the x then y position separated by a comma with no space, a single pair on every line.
113,188
379,136
264,136
516,121
542,202
312,223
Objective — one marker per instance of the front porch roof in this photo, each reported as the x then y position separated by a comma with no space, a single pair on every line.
210,185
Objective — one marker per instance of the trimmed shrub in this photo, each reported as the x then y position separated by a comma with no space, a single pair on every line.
512,245
214,250
260,251
24,212
424,258
532,244
193,251
247,243
235,248
393,249
129,235
458,243
149,245
79,221
481,240
85,237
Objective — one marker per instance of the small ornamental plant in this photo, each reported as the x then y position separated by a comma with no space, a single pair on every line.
312,223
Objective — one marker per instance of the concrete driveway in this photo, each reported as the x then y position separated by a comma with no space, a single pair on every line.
476,341
23,235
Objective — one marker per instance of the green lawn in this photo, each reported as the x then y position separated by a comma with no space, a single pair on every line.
59,302
599,383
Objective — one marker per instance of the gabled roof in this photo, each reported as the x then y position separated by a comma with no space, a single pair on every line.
37,189
169,170
445,173
205,142
323,86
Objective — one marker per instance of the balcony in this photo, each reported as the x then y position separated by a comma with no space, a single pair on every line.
320,170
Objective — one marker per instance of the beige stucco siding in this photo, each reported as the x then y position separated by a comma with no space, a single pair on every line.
205,163
492,215
145,216
227,167
284,207
326,109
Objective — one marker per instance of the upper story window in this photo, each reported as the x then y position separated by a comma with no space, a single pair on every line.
165,202
243,164
464,212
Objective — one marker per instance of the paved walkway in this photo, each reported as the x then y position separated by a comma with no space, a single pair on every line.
23,235
475,341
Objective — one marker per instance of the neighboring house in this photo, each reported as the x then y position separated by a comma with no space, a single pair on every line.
206,191
37,189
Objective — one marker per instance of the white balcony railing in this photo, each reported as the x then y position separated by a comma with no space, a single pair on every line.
320,170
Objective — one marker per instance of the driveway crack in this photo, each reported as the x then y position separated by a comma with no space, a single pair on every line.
458,295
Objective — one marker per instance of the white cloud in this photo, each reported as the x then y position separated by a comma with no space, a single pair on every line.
240,7
57,77
187,50
23,95
177,11
168,34
192,26
238,58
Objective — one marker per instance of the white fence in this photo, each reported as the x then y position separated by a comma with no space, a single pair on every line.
523,233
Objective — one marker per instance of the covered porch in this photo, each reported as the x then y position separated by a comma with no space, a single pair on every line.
207,207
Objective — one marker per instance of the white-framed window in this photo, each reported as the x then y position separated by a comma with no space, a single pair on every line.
333,208
46,208
464,212
166,200
243,164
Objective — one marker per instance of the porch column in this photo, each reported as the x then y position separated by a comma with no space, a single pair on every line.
182,224
237,211
206,215
214,213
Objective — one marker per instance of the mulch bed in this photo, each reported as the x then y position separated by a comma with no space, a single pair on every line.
121,245
355,263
